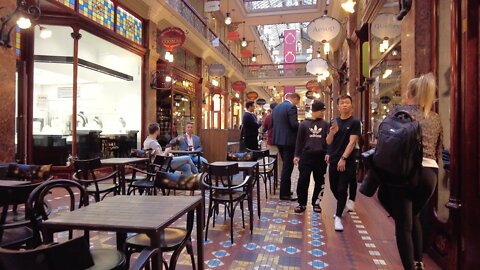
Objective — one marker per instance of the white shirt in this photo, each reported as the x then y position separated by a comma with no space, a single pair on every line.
189,139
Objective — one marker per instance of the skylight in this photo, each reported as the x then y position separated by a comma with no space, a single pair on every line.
278,4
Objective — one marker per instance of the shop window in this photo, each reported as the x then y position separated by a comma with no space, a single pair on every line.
99,11
129,26
386,90
109,97
52,97
67,3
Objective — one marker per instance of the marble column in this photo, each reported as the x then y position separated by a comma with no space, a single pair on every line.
7,92
150,96
417,42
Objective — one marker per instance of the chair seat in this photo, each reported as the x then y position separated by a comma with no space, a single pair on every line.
222,196
143,184
16,236
173,236
106,259
138,177
101,187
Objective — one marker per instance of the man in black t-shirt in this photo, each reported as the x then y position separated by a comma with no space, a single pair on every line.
342,139
310,152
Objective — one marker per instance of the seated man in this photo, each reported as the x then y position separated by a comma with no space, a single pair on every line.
189,142
183,164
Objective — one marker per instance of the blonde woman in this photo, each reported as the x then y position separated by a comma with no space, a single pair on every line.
405,203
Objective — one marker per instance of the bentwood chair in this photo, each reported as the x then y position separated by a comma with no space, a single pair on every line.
267,164
160,164
73,254
86,173
218,181
176,238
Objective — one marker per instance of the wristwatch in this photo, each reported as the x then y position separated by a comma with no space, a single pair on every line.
344,157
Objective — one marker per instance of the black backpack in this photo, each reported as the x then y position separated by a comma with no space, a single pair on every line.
399,151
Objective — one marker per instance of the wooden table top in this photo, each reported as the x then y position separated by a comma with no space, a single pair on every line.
241,164
185,152
13,183
127,213
122,161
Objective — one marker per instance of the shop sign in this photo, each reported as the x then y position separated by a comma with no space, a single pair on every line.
386,25
310,94
211,6
324,28
313,85
252,95
385,99
233,36
216,70
245,53
171,38
239,86
261,102
290,47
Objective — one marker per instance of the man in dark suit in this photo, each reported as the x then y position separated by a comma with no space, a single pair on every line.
250,126
285,126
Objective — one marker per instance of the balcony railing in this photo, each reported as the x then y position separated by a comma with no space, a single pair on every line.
275,71
197,22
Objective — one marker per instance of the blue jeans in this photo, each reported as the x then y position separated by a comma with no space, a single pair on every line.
184,164
195,159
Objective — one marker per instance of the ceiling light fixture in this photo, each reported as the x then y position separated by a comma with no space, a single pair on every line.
254,58
168,79
384,45
169,57
387,73
44,32
326,47
244,43
228,19
24,15
349,6
214,82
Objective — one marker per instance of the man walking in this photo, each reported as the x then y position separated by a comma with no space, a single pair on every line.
250,126
342,138
285,126
310,156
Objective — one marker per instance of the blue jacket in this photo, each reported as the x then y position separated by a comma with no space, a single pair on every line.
183,144
285,124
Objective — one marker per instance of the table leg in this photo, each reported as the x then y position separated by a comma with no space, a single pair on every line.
121,238
155,240
200,220
121,170
257,176
250,203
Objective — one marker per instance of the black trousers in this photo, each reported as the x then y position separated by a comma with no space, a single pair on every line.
405,206
251,142
308,164
339,182
287,153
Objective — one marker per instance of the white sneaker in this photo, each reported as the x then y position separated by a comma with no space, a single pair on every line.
338,224
350,206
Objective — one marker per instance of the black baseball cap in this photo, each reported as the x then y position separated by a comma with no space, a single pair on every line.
317,105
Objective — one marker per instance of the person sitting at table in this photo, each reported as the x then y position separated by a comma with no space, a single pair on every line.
182,163
189,142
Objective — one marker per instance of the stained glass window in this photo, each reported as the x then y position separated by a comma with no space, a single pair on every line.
68,3
100,11
17,42
129,26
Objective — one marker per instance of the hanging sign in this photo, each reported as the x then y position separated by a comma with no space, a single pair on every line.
245,53
216,70
252,95
261,102
324,28
313,85
171,38
211,6
290,46
386,25
233,36
239,86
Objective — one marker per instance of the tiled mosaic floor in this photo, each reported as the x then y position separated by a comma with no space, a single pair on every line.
285,240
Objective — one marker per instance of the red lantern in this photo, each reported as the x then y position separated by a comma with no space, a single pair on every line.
239,86
171,38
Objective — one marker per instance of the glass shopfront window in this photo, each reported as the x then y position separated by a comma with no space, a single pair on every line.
386,91
52,96
108,98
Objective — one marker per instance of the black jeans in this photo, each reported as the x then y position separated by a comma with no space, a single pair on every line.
339,182
405,206
287,153
308,164
251,142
